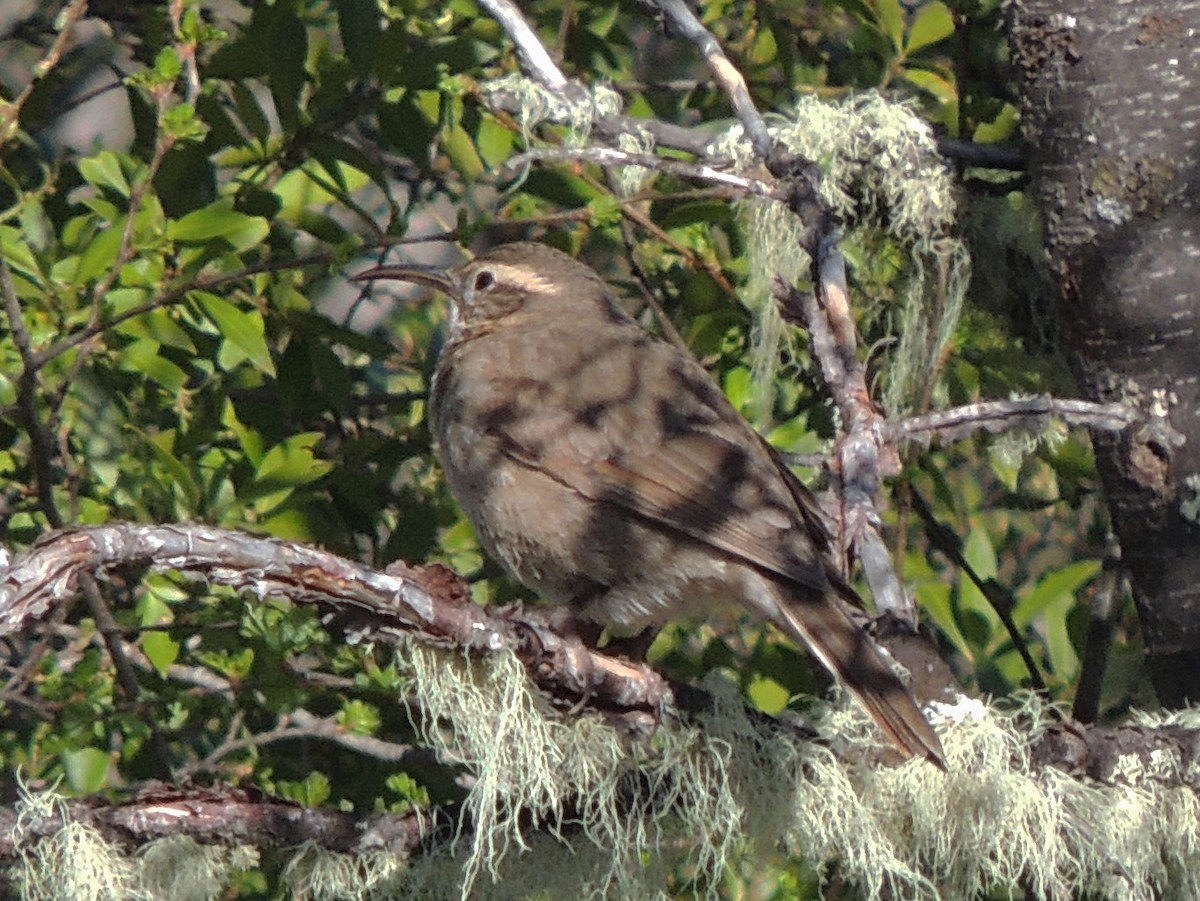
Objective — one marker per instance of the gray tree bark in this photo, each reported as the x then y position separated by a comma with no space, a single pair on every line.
1111,99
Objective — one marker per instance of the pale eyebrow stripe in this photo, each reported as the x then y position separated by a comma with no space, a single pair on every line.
523,277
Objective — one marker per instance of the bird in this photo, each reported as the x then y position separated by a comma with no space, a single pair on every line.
605,470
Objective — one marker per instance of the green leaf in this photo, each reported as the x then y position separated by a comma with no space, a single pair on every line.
181,124
932,24
934,597
979,622
104,171
162,445
160,326
244,331
889,17
291,463
100,255
160,649
603,19
739,389
250,111
220,220
143,357
979,552
461,149
767,695
764,51
17,252
1061,583
495,142
359,717
1006,469
942,89
86,769
285,62
249,440
312,792
358,20
605,211
1064,661
1001,128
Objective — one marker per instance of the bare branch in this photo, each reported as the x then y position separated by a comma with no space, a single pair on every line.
1032,413
685,22
608,156
863,456
664,134
533,55
10,113
428,603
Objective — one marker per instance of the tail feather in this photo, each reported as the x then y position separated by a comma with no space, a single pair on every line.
820,623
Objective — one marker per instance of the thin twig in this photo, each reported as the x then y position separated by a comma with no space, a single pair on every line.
186,51
534,57
608,156
684,21
1032,413
984,156
10,113
1096,647
175,295
639,278
1000,598
696,141
42,445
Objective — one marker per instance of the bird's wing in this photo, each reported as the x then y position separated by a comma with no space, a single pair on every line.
680,458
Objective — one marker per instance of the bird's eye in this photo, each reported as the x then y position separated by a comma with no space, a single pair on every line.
484,280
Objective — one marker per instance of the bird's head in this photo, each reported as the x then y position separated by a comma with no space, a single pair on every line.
501,282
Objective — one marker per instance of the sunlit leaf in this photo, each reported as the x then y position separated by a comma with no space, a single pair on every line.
86,769
220,220
160,649
933,23
243,329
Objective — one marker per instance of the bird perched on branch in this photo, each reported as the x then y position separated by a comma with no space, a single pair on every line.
606,471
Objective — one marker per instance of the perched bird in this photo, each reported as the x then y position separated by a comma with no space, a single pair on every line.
605,470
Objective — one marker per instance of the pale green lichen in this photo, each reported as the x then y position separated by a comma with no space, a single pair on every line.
531,763
569,807
182,869
880,169
1012,447
538,104
76,862
320,875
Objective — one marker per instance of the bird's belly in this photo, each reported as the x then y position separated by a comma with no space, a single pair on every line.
629,608
615,571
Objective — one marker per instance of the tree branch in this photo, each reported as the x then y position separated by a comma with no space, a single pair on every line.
536,60
426,602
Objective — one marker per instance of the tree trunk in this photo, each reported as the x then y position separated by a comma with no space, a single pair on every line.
1111,95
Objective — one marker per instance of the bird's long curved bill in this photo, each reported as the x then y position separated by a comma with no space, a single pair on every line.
430,276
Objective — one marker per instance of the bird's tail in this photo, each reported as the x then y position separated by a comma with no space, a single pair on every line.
824,627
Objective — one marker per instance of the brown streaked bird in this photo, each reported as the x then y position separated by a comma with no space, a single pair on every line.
605,469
